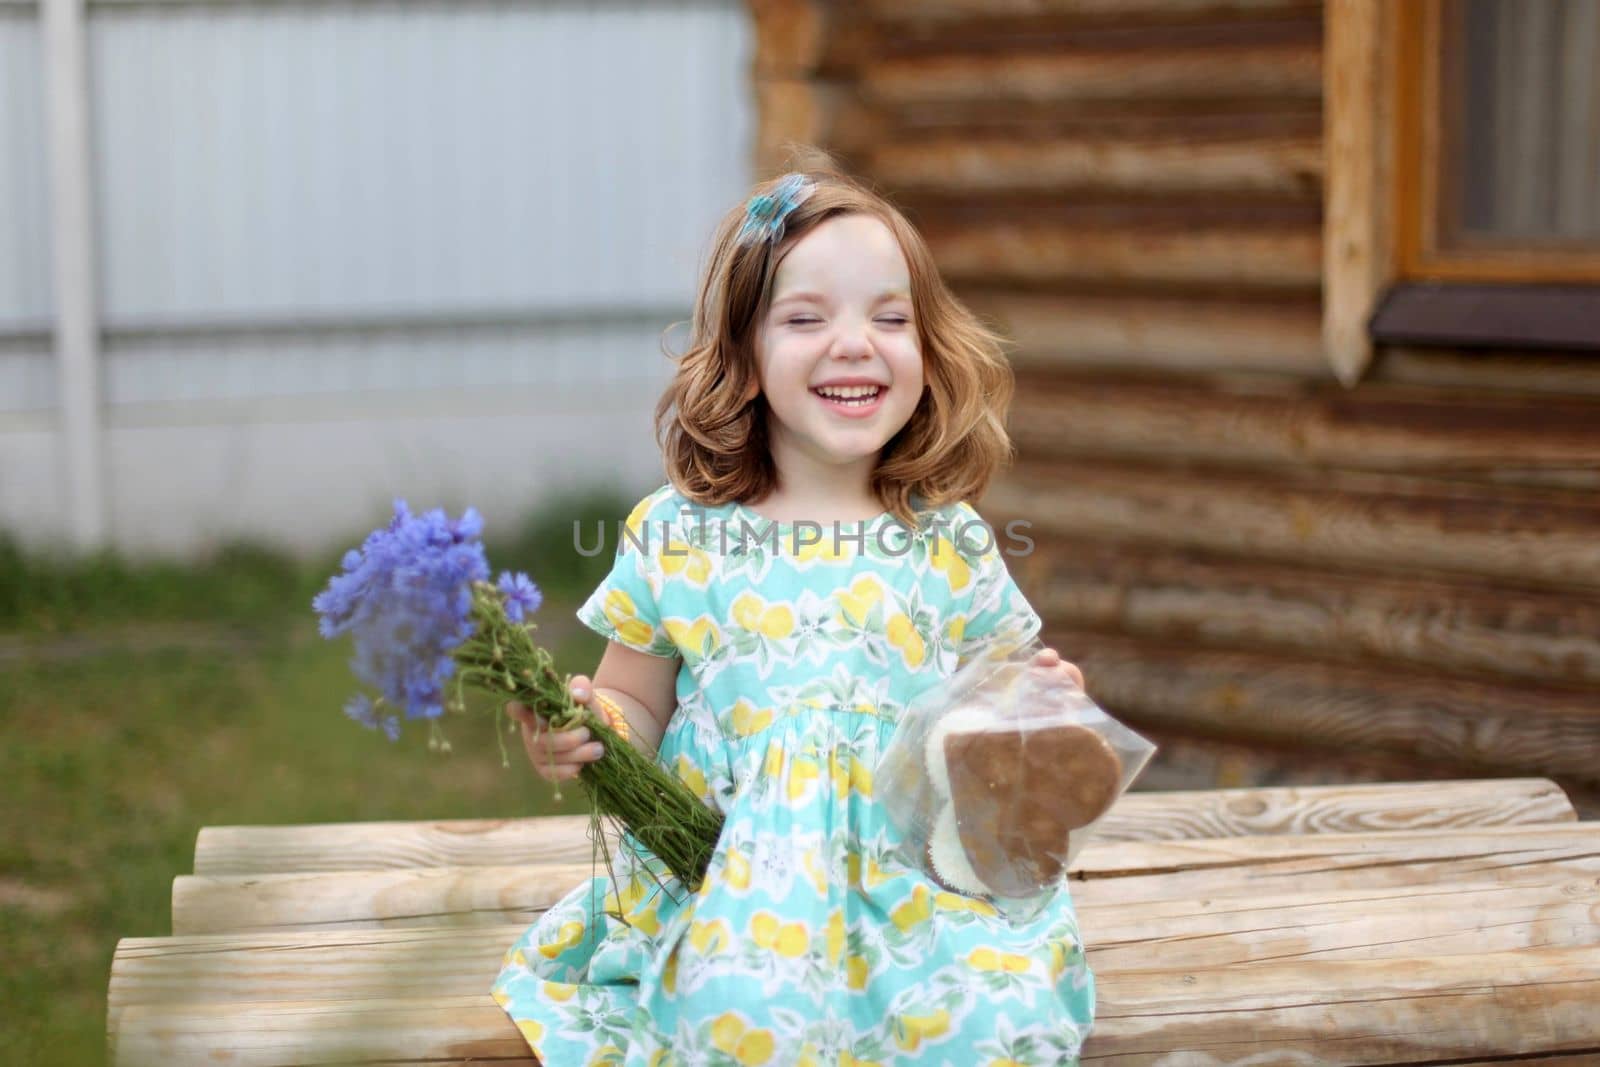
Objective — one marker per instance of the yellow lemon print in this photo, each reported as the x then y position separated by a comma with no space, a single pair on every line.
833,937
786,939
857,970
857,602
647,921
903,635
849,774
874,874
955,630
914,911
772,766
812,862
697,639
989,959
691,776
748,1045
747,719
532,1030
736,870
860,778
560,992
911,1031
620,612
829,550
943,557
680,558
635,520
726,1029
669,976
1060,956
569,934
754,614
710,938
957,902
803,773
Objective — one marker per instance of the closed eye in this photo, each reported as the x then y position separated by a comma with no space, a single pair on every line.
895,320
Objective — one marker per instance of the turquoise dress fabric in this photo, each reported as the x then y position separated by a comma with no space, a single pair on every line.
808,943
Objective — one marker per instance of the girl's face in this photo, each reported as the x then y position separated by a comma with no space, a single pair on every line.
841,320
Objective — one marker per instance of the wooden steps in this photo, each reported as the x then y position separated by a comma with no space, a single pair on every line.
1393,923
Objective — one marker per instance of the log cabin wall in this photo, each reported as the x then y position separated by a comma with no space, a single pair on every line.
1278,579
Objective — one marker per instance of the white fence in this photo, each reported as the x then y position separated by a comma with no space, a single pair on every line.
343,251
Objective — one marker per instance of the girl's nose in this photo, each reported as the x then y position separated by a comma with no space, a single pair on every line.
851,342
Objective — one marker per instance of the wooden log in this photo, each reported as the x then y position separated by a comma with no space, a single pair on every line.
413,897
794,111
397,1031
554,840
1280,167
912,12
1338,864
1187,760
1283,259
1383,1012
308,964
360,846
1521,728
806,38
1506,440
1150,119
1387,807
1463,625
1393,922
1061,331
1386,522
1497,370
1360,245
1359,1011
1259,71
468,896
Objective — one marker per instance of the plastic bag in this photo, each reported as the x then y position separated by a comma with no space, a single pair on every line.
996,779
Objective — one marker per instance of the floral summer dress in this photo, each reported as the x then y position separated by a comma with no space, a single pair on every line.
808,942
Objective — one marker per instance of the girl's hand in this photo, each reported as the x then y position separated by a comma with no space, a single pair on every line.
557,755
1050,660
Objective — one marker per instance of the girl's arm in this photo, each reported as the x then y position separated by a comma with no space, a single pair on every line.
644,686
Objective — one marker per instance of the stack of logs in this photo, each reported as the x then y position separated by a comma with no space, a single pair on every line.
1394,924
1278,579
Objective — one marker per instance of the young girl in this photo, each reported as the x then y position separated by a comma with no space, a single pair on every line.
810,568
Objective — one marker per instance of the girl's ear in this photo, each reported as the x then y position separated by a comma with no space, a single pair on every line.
751,391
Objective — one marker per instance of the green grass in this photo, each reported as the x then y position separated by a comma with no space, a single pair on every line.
143,702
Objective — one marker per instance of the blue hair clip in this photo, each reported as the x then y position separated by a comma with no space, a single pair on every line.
764,214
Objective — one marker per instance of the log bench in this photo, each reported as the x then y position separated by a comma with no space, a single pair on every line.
1400,923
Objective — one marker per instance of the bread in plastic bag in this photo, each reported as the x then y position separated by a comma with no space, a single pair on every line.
995,779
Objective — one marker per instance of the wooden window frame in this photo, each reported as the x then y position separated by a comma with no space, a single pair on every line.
1384,277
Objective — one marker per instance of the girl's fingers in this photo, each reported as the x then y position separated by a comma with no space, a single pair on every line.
581,688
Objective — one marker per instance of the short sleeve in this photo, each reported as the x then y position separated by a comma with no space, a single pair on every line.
998,617
623,607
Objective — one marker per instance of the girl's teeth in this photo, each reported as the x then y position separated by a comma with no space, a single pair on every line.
852,399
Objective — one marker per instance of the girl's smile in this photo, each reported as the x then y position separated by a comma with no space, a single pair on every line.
852,398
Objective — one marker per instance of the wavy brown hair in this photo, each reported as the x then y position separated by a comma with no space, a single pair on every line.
712,421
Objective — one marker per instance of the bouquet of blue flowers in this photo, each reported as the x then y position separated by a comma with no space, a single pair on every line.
427,622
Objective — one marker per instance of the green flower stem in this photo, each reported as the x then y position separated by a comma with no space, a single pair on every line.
624,785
